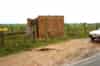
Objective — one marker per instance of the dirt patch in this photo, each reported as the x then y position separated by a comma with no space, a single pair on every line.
53,55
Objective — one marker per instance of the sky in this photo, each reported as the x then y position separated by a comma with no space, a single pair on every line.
74,11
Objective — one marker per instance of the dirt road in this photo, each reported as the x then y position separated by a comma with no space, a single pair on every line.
53,55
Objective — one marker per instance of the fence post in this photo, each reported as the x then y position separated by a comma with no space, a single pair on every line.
1,39
97,25
85,28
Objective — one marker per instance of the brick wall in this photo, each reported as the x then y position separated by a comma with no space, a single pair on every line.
51,26
48,26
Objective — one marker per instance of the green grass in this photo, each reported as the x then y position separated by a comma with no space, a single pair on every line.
18,43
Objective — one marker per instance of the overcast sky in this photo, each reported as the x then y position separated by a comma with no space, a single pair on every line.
17,11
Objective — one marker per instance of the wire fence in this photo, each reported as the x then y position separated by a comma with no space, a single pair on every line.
80,30
9,39
70,30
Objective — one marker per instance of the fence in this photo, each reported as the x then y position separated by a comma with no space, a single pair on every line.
79,30
70,30
13,38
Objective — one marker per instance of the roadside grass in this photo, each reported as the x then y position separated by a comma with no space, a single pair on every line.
18,43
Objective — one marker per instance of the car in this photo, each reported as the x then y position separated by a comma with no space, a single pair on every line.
95,34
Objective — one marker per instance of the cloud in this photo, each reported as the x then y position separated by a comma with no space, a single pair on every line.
17,11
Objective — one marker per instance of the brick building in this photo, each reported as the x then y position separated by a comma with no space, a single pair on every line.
46,27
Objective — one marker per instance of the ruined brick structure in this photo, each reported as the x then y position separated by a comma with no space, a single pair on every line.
46,26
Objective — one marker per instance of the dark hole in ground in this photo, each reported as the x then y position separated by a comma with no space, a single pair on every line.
46,49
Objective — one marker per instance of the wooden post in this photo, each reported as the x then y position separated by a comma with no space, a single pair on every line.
96,25
85,29
1,39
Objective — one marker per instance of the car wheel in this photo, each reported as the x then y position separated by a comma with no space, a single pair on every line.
92,39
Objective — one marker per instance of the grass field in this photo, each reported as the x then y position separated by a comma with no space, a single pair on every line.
16,43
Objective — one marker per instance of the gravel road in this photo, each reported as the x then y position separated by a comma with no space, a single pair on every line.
52,55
